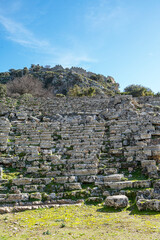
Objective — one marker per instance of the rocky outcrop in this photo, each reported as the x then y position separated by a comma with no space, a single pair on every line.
61,80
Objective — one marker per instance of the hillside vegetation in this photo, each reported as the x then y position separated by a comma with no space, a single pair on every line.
59,80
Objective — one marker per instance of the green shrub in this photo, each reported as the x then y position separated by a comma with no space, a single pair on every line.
138,91
60,95
157,94
3,90
78,91
27,96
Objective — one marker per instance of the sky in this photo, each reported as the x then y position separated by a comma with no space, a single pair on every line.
119,38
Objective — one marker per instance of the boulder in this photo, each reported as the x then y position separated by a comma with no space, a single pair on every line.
117,201
148,204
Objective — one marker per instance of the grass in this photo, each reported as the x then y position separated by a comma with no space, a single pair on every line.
136,175
80,222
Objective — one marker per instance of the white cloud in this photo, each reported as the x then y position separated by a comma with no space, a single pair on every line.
71,58
19,34
106,15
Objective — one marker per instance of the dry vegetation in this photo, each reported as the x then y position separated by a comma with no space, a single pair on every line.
27,85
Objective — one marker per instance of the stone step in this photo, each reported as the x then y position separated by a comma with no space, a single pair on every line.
156,133
82,160
85,166
31,181
72,186
85,172
108,171
33,188
128,184
111,165
113,178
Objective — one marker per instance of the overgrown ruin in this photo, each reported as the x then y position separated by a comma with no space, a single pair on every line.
66,150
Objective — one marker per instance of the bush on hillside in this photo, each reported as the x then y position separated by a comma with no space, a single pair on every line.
3,90
157,94
138,91
27,85
78,91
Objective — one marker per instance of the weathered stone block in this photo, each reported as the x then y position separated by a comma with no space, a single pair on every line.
22,181
113,178
32,169
119,185
72,186
117,201
17,197
36,196
148,204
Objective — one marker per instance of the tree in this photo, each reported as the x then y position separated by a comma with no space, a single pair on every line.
27,84
157,94
138,91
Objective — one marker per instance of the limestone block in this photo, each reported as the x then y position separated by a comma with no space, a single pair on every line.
72,186
108,171
52,196
148,204
58,162
36,196
45,168
145,163
72,179
47,151
156,153
33,169
94,200
56,157
17,197
2,197
45,144
4,210
113,178
106,193
3,148
30,188
147,152
151,168
115,151
142,184
53,173
22,181
1,172
145,136
85,166
87,179
82,172
63,179
119,185
21,115
117,201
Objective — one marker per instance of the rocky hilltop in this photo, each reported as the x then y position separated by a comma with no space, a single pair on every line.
69,150
61,80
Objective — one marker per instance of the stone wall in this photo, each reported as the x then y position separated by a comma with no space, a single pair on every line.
63,150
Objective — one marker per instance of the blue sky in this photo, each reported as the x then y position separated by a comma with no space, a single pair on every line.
120,38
